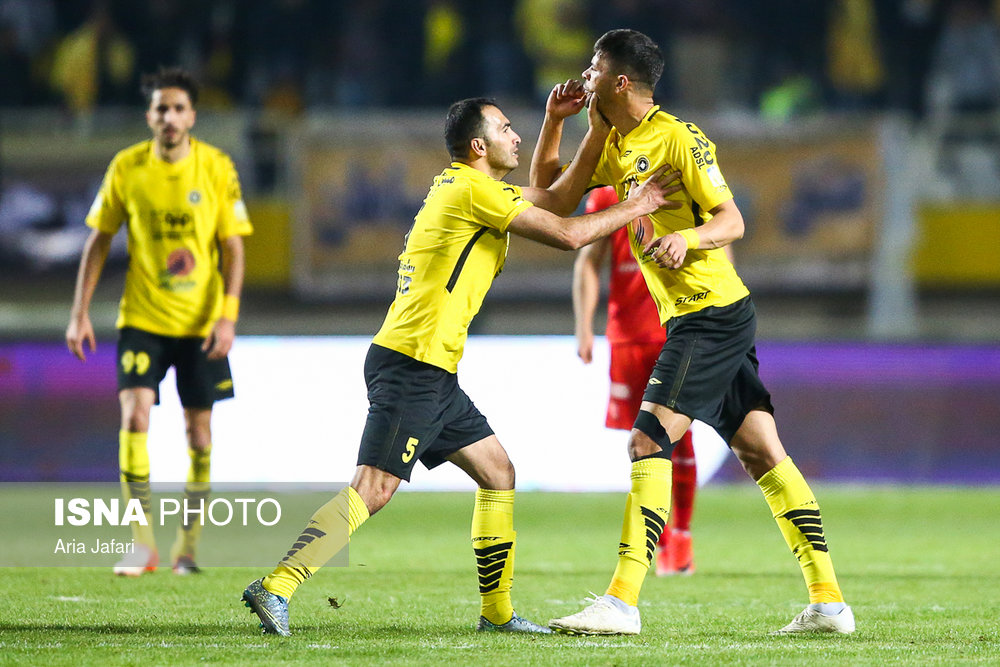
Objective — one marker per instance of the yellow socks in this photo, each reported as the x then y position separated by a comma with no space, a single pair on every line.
795,509
133,465
328,531
196,493
493,540
646,512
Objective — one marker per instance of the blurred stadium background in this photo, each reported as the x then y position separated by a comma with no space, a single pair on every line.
861,138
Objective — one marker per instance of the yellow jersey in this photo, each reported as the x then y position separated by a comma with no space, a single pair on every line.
455,248
707,277
176,213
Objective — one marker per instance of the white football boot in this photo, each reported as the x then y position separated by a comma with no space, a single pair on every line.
137,563
602,617
812,620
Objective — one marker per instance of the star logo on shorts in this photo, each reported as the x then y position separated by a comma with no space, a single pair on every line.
654,381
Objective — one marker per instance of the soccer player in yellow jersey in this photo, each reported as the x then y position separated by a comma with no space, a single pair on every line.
180,201
707,369
418,412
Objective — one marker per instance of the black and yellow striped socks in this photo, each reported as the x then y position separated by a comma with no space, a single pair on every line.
493,541
196,492
328,531
133,465
796,511
646,511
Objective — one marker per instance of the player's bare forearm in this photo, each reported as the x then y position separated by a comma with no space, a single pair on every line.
722,229
233,265
80,329
545,160
220,340
564,100
586,292
540,225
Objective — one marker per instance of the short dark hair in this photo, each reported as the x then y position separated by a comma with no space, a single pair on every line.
169,77
465,122
633,54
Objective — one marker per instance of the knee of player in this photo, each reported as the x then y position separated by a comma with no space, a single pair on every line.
641,445
199,438
505,476
374,487
648,438
499,477
135,421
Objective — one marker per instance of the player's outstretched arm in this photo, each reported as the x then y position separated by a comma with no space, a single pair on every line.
223,333
725,227
80,329
586,293
545,227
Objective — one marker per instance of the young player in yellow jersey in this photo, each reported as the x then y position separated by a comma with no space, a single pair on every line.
707,369
180,201
418,412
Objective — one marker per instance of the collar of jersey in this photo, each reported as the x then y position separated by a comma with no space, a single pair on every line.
171,165
621,140
472,171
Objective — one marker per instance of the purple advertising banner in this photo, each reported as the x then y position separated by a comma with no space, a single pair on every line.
897,413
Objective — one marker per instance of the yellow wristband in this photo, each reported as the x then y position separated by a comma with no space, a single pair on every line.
691,237
231,307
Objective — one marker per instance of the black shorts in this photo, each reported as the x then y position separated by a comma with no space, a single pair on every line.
143,360
417,413
707,369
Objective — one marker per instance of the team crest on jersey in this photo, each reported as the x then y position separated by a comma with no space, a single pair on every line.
642,164
194,196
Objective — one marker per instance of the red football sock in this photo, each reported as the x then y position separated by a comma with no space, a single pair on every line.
685,482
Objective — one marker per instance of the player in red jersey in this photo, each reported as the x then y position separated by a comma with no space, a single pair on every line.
636,337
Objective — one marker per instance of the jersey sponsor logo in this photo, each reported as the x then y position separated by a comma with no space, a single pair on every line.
180,262
715,177
694,298
171,224
701,152
642,229
640,233
194,196
642,164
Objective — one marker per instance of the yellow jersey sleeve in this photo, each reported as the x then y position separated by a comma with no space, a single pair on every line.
495,204
233,217
690,151
108,211
602,172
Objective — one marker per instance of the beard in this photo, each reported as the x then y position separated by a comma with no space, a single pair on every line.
172,139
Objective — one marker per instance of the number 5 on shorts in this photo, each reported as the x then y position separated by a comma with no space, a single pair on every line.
411,449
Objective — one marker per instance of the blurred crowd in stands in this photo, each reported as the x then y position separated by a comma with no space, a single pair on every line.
776,57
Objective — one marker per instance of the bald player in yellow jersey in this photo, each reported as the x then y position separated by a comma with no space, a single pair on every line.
418,412
707,369
180,201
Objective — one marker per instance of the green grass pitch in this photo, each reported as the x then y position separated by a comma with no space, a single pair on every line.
919,566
